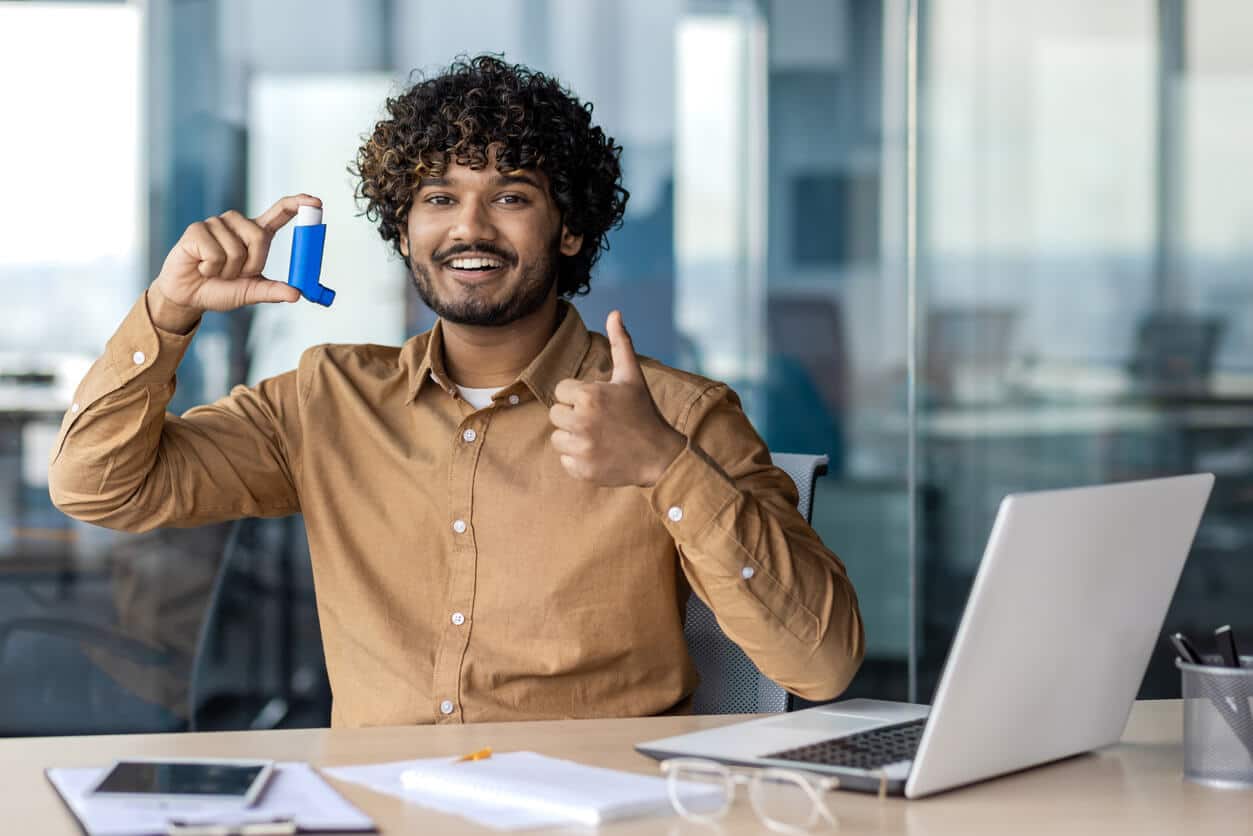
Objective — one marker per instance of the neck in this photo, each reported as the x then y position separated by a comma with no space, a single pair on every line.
489,357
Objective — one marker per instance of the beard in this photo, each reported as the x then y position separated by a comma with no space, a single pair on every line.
537,281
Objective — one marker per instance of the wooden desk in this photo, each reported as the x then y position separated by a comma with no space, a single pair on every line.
1132,788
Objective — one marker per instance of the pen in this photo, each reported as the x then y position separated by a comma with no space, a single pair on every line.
1231,658
1185,649
278,827
480,755
1227,646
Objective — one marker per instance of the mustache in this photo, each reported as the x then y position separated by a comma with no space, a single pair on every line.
483,248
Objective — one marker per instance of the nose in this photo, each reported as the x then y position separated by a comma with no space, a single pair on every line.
472,223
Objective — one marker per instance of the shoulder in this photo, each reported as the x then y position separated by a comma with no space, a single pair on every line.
361,356
353,361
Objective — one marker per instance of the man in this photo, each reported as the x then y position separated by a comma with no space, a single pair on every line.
506,513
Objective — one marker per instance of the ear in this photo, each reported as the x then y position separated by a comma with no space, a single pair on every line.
570,243
404,243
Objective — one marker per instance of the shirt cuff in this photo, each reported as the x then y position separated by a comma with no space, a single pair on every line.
140,351
691,492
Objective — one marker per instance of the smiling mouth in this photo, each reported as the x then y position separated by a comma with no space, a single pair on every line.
477,266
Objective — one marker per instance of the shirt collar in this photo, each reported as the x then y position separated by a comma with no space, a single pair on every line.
560,358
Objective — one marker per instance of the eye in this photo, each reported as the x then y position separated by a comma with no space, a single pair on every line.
512,199
439,200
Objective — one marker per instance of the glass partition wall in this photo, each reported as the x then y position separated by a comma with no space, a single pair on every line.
961,247
1085,249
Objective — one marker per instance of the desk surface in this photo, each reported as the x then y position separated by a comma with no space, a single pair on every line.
1132,788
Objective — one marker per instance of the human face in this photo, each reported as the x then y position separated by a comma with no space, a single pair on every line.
483,246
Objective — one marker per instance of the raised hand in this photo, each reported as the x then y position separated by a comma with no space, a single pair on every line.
216,266
612,433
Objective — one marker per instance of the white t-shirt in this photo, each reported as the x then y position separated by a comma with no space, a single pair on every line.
478,398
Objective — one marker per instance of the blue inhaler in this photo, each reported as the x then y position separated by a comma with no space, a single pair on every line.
308,238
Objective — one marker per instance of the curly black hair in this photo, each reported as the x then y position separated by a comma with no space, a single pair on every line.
531,119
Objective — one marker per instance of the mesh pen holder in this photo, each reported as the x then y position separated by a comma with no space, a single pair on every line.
1218,723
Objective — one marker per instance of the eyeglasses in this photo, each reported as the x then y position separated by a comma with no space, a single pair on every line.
785,801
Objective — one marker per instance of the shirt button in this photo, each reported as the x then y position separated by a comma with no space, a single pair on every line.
469,436
74,408
459,526
458,619
139,358
747,572
513,400
675,513
446,707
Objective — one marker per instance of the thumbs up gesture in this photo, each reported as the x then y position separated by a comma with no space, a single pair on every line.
612,434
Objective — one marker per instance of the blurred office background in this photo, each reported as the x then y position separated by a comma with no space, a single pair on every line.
963,247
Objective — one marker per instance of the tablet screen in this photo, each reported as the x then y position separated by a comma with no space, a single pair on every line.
203,779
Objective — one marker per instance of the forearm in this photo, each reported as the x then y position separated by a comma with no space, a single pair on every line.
776,591
103,463
122,462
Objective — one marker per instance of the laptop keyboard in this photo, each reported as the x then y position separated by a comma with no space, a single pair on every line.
864,750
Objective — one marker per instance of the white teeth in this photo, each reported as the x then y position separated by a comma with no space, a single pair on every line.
474,264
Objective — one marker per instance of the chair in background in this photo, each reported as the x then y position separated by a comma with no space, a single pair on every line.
51,685
284,681
240,650
729,681
967,354
111,652
808,389
1174,353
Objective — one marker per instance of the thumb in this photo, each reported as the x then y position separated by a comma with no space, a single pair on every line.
626,368
262,289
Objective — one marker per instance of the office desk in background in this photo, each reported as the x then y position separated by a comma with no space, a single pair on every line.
1132,788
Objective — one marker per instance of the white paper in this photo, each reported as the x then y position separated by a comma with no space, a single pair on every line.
295,792
520,790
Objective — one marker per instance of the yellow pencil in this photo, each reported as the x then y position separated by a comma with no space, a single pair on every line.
482,754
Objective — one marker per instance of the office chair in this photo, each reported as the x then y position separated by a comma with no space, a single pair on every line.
967,353
1174,352
87,665
260,563
729,681
807,387
256,571
809,330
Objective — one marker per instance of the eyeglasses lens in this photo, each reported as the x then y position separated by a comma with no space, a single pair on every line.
701,792
784,801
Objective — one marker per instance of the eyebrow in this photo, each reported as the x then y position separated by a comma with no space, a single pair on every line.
513,178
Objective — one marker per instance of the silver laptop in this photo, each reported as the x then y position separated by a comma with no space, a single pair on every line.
1066,607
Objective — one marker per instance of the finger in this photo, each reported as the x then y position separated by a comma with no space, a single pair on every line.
575,467
570,391
205,249
235,249
273,219
570,443
254,238
626,366
564,417
261,289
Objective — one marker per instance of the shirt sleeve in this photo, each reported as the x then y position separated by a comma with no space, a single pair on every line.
749,554
122,462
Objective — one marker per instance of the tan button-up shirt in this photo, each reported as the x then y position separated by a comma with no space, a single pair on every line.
461,574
